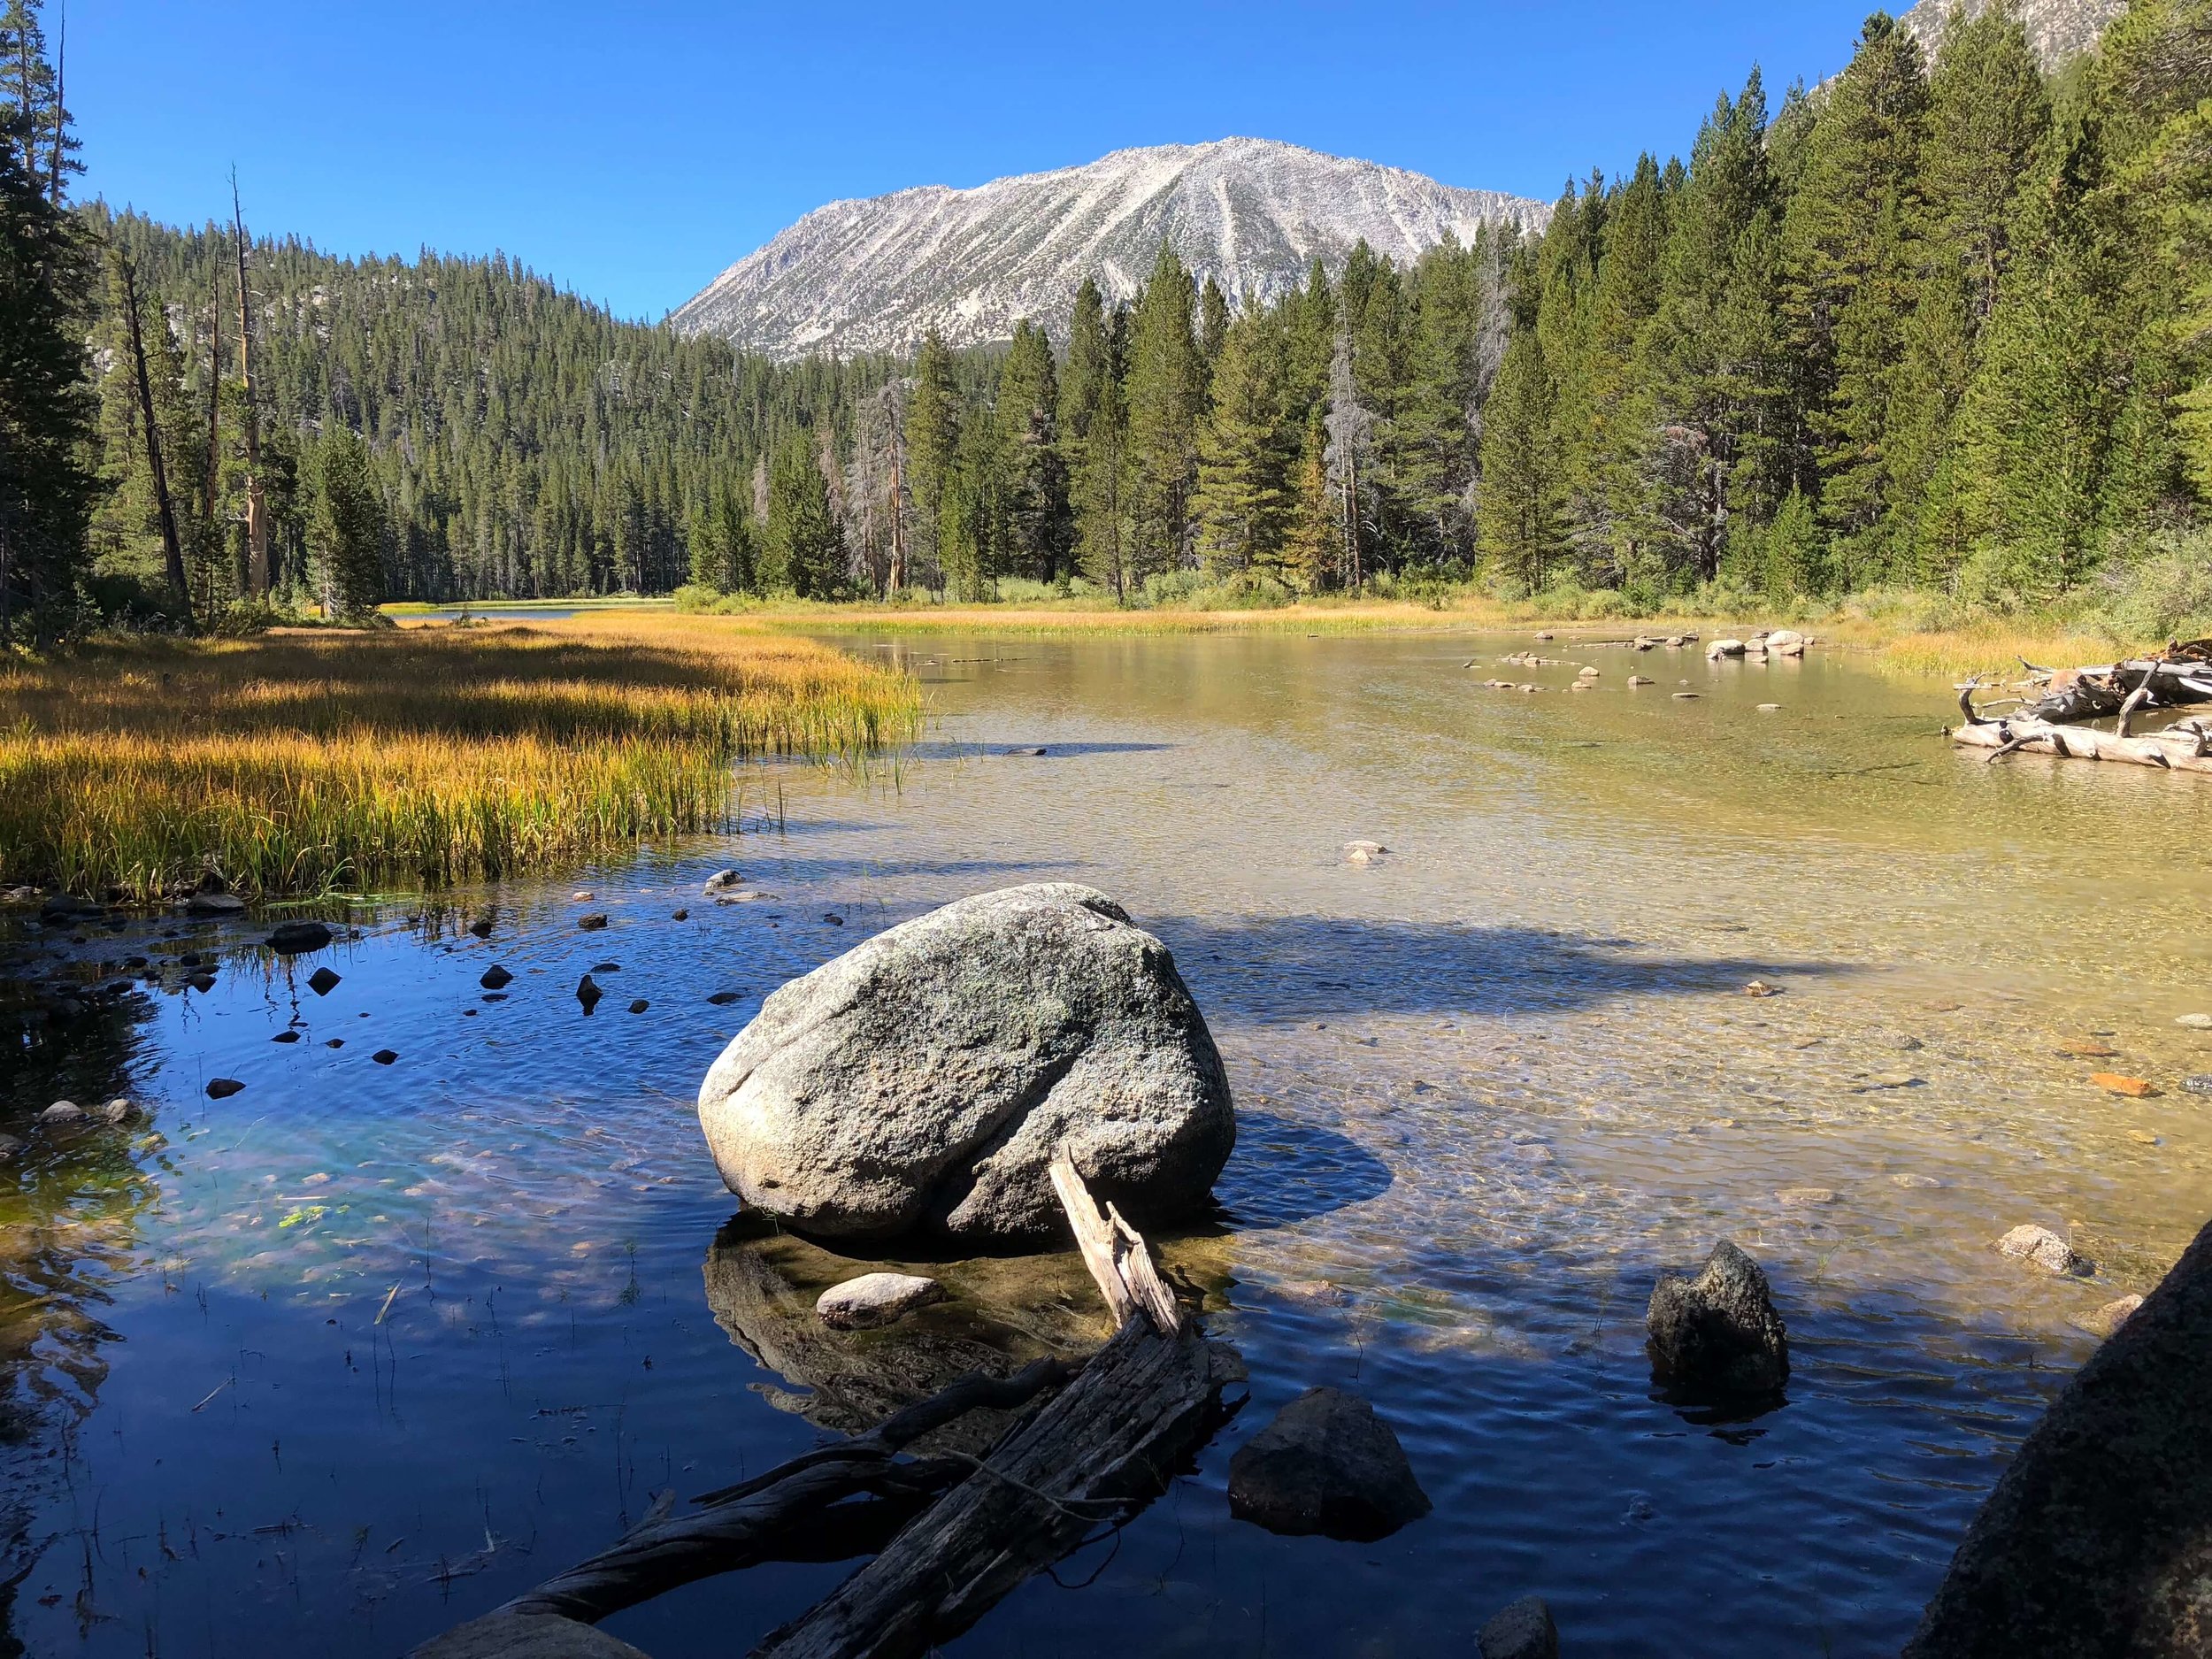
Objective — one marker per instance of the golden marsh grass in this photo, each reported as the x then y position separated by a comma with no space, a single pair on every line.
303,761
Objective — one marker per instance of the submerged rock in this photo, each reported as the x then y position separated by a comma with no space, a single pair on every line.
62,1114
1363,852
2046,1250
293,939
1327,1464
1523,1630
928,1076
121,1109
593,923
10,1145
875,1299
223,1087
1718,1336
723,881
214,904
2105,1320
2094,1542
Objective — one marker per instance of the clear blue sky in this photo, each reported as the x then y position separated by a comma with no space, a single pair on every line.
632,151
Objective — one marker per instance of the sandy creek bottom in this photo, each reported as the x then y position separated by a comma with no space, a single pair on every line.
1487,1086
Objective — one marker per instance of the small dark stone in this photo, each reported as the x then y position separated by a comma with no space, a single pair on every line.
1327,1464
335,1042
292,939
588,992
679,916
191,959
1026,754
202,982
223,1087
496,978
385,1056
214,904
482,927
835,921
722,998
286,1036
593,923
323,982
606,967
640,1006
1718,1336
1523,1630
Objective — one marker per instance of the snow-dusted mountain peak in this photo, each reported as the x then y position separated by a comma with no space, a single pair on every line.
876,274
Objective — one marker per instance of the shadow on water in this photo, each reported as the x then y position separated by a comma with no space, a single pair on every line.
1283,1172
1297,967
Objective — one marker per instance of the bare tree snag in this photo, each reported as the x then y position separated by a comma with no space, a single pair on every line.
260,576
1116,1254
172,550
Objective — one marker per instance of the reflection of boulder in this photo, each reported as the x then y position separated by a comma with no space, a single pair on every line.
998,1313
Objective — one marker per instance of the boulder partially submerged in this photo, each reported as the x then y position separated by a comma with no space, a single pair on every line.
1717,1337
925,1078
2095,1542
1327,1464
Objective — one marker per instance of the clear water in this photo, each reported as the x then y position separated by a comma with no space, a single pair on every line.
363,1349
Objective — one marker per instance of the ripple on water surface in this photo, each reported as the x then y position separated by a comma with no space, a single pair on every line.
364,1348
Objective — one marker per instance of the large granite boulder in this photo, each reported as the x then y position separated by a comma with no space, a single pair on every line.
925,1078
2097,1542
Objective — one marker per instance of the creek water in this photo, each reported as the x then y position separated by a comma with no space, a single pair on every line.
364,1348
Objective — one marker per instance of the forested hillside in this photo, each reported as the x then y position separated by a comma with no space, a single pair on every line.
1942,325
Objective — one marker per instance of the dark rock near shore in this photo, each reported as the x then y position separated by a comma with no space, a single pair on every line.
496,978
1523,1630
1718,1336
293,939
1327,1464
927,1077
2095,1544
593,923
324,980
214,904
223,1087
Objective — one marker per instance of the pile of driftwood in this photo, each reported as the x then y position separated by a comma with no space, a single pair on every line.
2055,706
950,1535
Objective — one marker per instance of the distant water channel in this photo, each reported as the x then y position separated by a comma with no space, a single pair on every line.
365,1348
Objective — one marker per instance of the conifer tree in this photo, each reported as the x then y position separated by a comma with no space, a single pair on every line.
45,492
1517,522
1309,533
1241,500
346,534
1034,487
802,552
932,442
1346,462
1165,398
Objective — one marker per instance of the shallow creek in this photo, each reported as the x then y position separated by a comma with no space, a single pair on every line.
365,1348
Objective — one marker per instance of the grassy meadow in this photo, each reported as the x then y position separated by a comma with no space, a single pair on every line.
303,761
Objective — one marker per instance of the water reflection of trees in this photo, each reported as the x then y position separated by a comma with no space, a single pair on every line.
70,1204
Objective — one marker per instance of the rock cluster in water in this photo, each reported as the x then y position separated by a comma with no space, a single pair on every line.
927,1078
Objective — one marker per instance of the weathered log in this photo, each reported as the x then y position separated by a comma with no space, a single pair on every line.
2178,748
1116,1253
828,1504
1111,1440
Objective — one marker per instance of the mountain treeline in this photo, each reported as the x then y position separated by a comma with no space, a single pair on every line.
1946,325
1943,324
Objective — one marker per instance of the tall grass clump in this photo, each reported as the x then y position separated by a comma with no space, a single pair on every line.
312,761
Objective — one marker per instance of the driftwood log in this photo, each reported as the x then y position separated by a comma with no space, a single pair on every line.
2176,677
2186,746
955,1532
